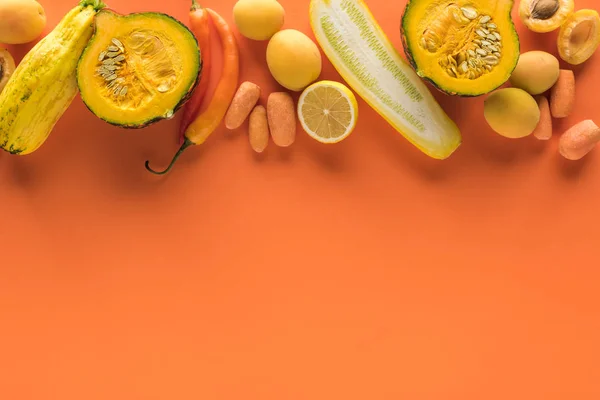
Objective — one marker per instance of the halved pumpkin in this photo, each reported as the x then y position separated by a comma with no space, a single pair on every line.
138,69
463,47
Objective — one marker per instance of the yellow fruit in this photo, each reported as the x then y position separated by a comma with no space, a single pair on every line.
545,15
293,59
328,111
258,19
7,67
536,72
512,113
579,37
22,21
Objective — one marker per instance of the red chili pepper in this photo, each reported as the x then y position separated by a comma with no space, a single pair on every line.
200,25
208,121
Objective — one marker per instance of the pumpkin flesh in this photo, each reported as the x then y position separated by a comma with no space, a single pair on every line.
138,68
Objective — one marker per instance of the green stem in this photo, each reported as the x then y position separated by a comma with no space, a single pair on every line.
195,5
97,4
184,146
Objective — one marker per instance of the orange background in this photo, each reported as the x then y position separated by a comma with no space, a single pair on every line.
359,271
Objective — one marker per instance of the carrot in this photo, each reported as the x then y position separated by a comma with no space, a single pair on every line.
210,119
579,140
282,118
562,95
244,101
259,129
200,25
544,129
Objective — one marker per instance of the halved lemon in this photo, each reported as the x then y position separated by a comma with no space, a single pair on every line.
328,111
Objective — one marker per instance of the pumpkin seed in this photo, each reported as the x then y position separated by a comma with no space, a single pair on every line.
492,26
118,43
492,38
497,35
111,77
119,58
491,60
112,54
471,53
163,87
485,19
481,52
464,66
461,57
113,49
485,31
469,12
111,67
123,91
101,56
480,33
109,61
497,54
117,89
451,72
485,43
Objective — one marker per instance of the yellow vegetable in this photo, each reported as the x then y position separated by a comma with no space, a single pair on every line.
367,60
258,19
294,60
44,85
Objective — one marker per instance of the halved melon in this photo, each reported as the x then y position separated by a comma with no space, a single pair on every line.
138,69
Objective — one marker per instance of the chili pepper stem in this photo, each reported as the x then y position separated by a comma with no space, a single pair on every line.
195,5
184,146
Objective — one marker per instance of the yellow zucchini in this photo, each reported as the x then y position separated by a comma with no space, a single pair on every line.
44,84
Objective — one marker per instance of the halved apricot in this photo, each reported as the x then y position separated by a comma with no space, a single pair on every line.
7,67
579,37
545,15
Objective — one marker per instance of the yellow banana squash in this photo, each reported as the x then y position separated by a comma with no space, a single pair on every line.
44,84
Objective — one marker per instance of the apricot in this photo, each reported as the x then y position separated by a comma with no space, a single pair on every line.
536,72
545,15
579,37
258,19
512,113
7,67
293,59
23,21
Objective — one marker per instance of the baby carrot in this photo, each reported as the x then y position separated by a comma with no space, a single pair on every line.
244,101
579,140
544,129
200,25
209,120
282,118
259,129
562,95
